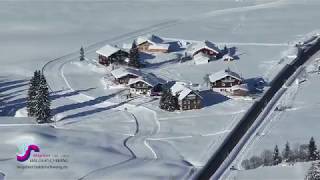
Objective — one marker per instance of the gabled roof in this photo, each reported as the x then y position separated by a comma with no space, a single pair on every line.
107,50
148,79
201,58
121,72
222,74
151,38
181,90
243,87
159,46
194,47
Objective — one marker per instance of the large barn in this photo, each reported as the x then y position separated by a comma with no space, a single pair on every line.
110,54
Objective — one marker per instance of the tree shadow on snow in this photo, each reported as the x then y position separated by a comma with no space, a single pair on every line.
90,112
211,98
256,84
74,106
58,94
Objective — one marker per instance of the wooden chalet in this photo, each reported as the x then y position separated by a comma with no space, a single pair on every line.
123,75
206,47
151,43
187,98
145,85
228,81
111,54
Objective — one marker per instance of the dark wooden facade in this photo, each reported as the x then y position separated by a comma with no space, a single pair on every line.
141,87
192,101
117,57
226,82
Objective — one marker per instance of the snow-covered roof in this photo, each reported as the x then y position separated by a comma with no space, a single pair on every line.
243,87
107,50
151,38
196,46
127,46
159,46
227,57
148,79
121,72
222,74
201,58
181,89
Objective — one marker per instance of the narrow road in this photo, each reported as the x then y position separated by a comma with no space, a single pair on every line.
232,145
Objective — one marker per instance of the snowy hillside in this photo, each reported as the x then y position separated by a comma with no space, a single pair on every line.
105,136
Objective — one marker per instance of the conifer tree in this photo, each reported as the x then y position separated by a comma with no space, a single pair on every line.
276,156
313,153
314,172
82,54
134,56
168,101
32,92
287,153
43,112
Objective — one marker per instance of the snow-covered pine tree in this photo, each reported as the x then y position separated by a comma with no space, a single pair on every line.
172,102
276,156
32,92
313,172
287,153
163,98
43,112
82,54
313,153
31,95
134,56
168,101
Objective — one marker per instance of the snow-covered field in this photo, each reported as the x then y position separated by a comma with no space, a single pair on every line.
106,137
295,125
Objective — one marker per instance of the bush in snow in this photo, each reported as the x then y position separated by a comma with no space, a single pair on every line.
267,158
314,172
252,163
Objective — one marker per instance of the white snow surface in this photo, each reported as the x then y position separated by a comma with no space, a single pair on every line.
109,137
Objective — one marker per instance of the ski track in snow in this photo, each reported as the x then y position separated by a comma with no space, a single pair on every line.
146,128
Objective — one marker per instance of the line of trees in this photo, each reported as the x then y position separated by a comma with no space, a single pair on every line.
38,101
302,153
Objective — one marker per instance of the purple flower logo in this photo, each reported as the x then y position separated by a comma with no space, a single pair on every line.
27,153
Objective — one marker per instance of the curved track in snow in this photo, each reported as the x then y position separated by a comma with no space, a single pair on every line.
147,124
